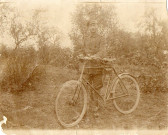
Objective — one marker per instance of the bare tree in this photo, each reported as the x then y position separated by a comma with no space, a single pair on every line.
20,31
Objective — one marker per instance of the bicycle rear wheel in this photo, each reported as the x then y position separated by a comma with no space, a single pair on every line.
126,94
71,103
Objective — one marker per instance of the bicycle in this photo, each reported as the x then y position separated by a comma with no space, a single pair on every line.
72,97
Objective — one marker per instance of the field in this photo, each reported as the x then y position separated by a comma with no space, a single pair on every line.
34,107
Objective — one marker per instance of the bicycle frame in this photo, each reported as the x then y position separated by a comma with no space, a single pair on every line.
109,86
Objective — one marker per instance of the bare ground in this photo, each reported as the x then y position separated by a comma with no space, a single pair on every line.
35,108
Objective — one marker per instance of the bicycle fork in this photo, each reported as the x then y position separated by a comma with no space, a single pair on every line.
78,86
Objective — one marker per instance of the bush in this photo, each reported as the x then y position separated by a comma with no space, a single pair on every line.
4,51
22,61
152,79
55,55
19,66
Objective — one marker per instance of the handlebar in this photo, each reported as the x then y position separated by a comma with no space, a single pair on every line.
103,60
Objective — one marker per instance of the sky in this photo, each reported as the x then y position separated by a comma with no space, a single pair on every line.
59,12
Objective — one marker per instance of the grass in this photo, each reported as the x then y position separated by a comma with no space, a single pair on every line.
34,108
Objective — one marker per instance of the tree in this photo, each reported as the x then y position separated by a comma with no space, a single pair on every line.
19,31
105,16
152,44
15,26
150,26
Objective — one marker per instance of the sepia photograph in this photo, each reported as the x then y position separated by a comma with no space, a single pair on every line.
76,67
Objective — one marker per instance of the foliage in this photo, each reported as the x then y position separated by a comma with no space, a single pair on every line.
55,55
5,52
19,66
105,16
141,49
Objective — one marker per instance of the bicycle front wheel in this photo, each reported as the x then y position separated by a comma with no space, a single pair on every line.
71,103
126,94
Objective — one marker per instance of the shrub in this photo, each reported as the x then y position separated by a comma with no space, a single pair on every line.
4,51
19,66
55,55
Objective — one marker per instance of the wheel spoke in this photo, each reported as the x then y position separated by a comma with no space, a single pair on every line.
129,101
71,103
123,87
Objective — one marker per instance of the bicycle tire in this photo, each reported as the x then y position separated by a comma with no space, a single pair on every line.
122,77
82,113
